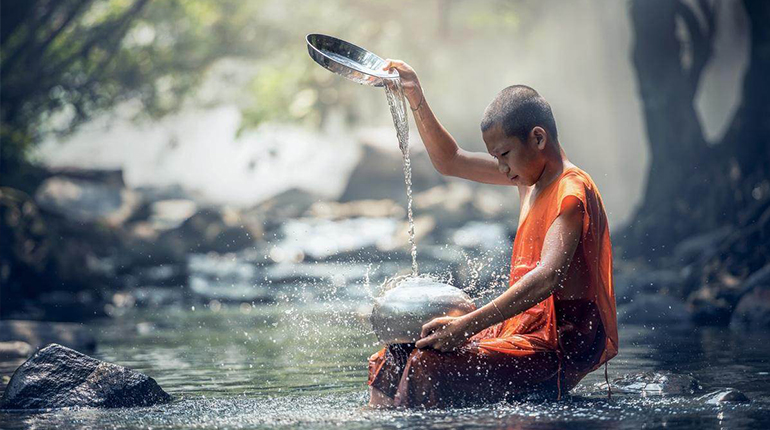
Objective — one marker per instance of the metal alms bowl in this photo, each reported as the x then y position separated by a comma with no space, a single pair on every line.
399,314
348,60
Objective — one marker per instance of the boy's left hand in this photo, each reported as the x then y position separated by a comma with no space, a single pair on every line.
444,334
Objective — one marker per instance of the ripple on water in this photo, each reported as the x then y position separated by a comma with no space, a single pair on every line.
304,366
345,410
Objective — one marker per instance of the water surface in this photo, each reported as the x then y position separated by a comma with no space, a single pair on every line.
290,364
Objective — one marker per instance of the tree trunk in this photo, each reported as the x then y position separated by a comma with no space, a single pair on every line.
693,187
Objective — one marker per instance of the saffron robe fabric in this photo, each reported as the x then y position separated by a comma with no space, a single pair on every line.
548,348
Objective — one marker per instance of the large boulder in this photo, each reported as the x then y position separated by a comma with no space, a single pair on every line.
84,201
292,203
631,280
701,247
59,377
37,334
380,175
752,311
654,309
211,230
454,203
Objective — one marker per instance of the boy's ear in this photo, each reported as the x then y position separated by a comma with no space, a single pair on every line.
538,136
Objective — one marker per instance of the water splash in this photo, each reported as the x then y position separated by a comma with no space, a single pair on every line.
397,102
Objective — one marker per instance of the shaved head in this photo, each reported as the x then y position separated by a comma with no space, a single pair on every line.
519,109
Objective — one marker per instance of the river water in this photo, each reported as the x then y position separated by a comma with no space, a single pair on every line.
304,365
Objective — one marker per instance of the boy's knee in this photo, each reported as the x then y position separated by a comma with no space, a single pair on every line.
424,358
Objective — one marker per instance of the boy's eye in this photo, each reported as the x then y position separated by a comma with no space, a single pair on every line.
504,153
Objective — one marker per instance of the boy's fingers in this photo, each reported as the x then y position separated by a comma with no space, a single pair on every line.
392,64
429,327
422,343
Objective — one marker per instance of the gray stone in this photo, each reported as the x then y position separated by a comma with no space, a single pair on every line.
631,282
701,247
211,230
85,201
656,384
38,334
752,311
724,396
289,204
15,349
379,175
760,278
654,309
59,377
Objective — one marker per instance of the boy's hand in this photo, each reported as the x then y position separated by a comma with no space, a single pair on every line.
409,81
444,334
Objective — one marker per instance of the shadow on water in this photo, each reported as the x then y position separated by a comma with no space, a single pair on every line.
304,365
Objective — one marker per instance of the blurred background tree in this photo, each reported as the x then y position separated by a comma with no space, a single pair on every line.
694,185
65,61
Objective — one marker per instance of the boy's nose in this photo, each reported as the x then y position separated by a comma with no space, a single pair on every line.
503,168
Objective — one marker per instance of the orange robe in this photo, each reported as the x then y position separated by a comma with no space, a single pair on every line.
548,348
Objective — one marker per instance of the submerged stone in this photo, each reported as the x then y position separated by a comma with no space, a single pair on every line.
654,309
724,396
58,377
656,384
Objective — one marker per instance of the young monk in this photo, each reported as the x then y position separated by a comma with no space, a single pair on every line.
556,322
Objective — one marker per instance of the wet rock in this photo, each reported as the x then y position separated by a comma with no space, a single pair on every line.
709,306
730,395
379,175
631,281
753,311
168,214
82,201
385,208
701,247
66,306
760,278
210,230
15,349
112,177
289,204
653,309
656,384
449,204
38,333
58,377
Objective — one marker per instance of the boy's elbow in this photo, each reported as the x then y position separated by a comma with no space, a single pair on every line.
552,278
444,168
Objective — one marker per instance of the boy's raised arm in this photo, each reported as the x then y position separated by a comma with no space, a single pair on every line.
447,157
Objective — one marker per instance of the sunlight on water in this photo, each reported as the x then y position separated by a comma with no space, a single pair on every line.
304,365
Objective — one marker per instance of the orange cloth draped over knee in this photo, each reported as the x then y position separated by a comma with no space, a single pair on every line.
549,347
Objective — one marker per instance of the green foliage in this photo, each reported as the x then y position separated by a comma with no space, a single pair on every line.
64,61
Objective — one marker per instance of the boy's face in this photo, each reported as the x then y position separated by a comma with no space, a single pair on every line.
521,162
